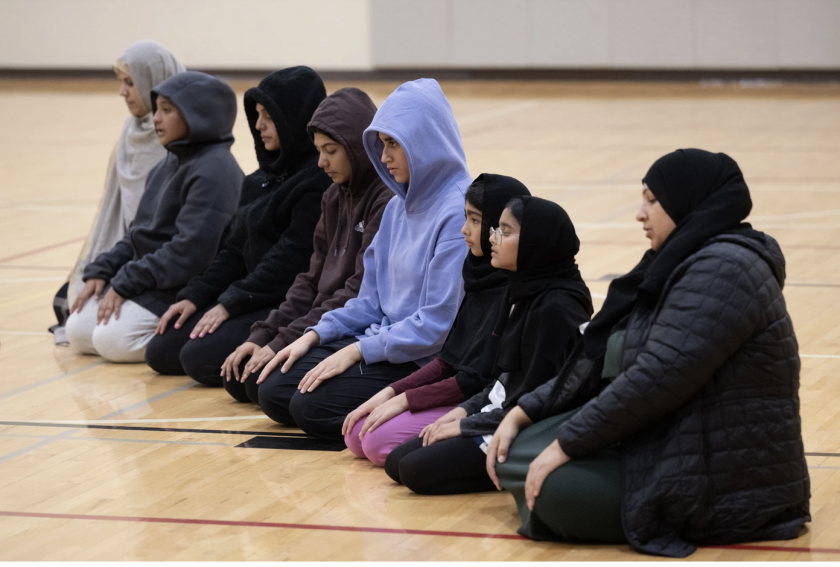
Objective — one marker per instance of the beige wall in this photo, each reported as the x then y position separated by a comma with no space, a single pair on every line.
216,34
371,34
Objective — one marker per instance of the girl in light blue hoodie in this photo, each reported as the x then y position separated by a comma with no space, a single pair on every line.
412,284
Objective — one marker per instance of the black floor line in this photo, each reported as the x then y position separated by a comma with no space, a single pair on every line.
822,454
169,429
293,444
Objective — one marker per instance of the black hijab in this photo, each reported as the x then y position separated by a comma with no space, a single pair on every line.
470,347
705,195
549,298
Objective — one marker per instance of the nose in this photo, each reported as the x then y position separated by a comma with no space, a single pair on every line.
641,216
322,161
384,158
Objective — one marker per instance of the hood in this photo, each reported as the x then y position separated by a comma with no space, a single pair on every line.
207,104
149,64
290,96
344,115
762,244
418,116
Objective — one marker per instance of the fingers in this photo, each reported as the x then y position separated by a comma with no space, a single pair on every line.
216,324
98,286
490,463
162,323
504,445
198,330
117,305
185,314
225,373
269,368
290,356
533,483
349,422
256,362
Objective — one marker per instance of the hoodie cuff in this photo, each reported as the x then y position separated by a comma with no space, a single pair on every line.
260,337
326,330
372,350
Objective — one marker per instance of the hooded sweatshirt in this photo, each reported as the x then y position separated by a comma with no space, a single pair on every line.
412,285
547,301
189,200
350,216
271,239
465,366
136,153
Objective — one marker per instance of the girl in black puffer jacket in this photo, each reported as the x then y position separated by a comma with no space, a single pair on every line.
691,433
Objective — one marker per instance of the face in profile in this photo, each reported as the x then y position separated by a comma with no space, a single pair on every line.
472,229
169,124
268,131
655,221
505,242
393,156
333,158
132,97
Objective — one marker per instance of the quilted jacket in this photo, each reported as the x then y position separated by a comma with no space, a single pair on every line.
706,407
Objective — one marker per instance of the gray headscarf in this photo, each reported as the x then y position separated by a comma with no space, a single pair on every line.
137,151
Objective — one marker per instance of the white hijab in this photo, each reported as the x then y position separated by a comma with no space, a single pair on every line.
137,151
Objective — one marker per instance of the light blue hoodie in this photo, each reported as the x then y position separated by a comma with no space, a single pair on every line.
412,285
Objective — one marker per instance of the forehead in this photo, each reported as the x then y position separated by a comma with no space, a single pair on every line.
122,75
471,209
385,137
163,100
323,140
508,219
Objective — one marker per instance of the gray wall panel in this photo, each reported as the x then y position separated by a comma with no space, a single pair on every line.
571,33
491,33
735,34
809,34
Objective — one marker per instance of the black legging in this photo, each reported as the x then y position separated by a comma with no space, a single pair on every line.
321,412
175,353
451,466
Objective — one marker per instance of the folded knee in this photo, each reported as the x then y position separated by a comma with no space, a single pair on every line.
114,346
376,447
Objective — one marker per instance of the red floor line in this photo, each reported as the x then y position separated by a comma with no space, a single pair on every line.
745,547
257,525
39,250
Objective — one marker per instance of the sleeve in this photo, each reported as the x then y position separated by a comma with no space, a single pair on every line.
227,267
433,372
478,401
483,422
200,225
424,332
109,263
269,281
705,318
443,393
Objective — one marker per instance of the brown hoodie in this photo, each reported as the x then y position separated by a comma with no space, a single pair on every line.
350,216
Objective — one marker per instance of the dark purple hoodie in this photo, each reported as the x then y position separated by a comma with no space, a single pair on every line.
350,216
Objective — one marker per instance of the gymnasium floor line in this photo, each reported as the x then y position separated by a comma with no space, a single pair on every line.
325,527
42,249
46,381
639,244
161,429
117,439
72,431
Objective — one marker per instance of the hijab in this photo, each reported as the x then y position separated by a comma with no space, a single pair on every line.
538,325
470,347
705,195
136,153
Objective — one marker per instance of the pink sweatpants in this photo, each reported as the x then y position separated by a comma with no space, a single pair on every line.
377,445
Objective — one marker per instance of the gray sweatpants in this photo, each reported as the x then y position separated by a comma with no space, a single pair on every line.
118,340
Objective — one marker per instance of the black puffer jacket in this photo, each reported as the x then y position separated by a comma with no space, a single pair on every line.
706,406
271,239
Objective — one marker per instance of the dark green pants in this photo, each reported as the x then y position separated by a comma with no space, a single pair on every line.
579,502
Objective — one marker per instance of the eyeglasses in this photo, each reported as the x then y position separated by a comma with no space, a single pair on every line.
497,232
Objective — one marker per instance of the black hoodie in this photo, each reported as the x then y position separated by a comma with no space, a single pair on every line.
189,200
272,235
547,300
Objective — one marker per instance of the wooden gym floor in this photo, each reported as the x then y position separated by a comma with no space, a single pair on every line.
102,461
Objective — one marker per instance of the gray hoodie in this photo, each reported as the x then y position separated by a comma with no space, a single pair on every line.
189,200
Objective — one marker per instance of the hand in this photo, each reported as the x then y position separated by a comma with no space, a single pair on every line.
290,355
234,359
111,303
438,431
185,308
210,322
515,421
93,287
548,461
380,398
331,366
384,413
456,414
258,360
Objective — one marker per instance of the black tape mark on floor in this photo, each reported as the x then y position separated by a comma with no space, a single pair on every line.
292,443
